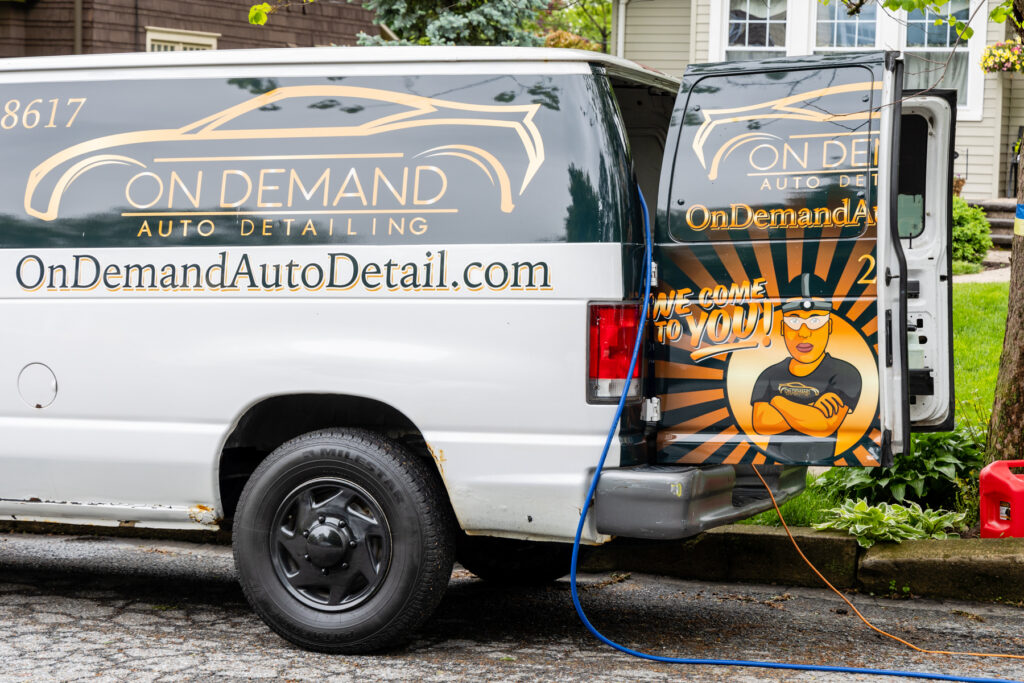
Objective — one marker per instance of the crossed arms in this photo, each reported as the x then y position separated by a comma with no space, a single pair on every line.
821,418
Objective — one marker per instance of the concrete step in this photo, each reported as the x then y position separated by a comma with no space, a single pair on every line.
998,205
1000,212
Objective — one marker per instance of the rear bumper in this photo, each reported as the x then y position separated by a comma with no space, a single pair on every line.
677,501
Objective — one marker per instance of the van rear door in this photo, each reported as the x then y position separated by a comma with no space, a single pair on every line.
925,221
778,320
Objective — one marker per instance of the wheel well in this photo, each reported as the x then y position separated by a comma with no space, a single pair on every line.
273,421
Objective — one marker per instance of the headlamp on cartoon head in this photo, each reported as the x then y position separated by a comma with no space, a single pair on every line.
805,302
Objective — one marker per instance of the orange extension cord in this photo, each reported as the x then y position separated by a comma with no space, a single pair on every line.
857,611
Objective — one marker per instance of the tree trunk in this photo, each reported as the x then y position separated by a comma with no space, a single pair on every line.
1006,428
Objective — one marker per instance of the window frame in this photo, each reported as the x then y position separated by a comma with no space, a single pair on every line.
890,34
768,50
201,40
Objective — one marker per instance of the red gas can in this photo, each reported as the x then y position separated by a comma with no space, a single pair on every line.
1002,500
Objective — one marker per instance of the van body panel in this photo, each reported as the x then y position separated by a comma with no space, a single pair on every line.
154,383
187,236
209,235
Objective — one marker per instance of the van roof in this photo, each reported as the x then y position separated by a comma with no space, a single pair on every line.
385,55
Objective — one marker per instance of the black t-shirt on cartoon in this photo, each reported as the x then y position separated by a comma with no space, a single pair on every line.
831,376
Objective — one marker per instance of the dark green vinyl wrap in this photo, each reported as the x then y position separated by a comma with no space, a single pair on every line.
159,161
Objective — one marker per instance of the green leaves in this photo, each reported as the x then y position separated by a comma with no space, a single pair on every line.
258,13
971,232
892,523
928,475
999,13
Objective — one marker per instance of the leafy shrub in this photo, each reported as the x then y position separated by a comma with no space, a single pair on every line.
569,40
928,475
971,239
894,523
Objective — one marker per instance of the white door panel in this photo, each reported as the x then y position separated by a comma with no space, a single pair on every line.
925,234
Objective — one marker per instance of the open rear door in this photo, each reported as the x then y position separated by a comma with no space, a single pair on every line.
925,219
779,316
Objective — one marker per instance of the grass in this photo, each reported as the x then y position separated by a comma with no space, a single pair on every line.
806,509
979,320
966,268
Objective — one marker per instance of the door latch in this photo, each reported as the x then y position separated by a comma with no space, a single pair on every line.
651,410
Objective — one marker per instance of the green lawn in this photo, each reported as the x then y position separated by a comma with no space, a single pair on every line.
979,320
806,509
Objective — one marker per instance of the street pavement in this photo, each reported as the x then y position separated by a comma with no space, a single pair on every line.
106,609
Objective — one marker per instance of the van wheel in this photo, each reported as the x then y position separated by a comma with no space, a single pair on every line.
343,541
510,562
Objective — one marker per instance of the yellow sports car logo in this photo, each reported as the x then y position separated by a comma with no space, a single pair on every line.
48,181
798,390
810,107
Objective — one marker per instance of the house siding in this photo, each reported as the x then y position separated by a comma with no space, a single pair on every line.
657,33
981,145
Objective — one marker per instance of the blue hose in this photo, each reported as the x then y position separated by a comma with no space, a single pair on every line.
590,496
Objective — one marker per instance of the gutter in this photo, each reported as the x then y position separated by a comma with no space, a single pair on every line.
693,32
620,30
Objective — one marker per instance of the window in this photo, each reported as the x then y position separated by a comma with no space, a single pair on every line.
173,40
757,29
837,30
910,214
934,57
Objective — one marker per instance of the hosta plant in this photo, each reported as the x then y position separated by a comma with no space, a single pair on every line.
927,475
894,523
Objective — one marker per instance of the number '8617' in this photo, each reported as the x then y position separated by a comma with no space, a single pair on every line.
52,113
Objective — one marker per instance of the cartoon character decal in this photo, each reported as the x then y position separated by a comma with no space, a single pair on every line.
811,393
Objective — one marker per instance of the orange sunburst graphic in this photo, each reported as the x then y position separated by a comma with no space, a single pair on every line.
707,395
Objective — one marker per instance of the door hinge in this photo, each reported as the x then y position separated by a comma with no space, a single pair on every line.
651,410
654,274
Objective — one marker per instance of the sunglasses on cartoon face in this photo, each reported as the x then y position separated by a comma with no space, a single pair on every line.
814,322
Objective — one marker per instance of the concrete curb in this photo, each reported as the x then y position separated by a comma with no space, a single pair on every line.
972,569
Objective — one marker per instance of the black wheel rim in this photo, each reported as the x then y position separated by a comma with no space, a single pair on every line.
330,544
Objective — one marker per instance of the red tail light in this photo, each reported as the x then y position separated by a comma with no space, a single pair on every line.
612,333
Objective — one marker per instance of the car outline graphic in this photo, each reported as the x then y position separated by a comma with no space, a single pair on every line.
799,387
782,108
421,112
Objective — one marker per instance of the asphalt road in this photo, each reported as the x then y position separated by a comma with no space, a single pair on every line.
99,609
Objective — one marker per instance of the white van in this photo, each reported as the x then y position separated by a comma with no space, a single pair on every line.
371,308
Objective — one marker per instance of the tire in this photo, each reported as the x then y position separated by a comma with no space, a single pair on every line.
377,552
510,562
